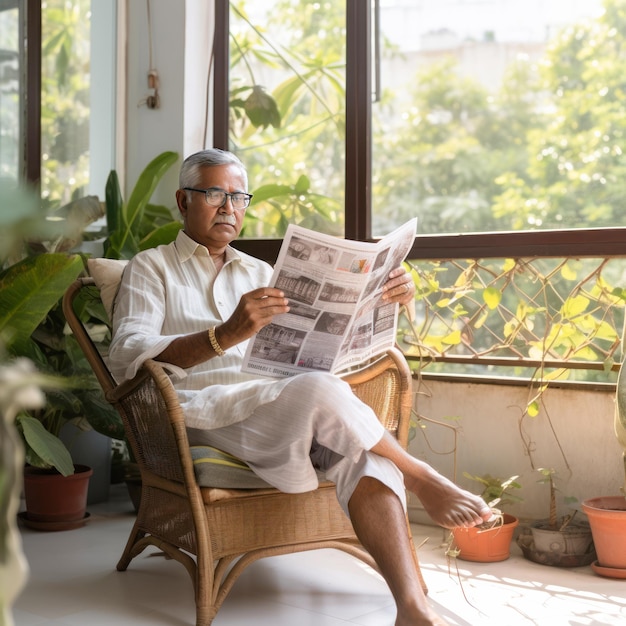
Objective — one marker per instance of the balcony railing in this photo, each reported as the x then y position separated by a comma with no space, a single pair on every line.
546,305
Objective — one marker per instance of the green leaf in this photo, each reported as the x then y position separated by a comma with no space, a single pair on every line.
261,109
492,297
50,449
568,272
145,186
574,306
533,409
481,320
122,240
160,236
101,415
453,338
122,245
29,289
302,185
114,202
267,192
285,94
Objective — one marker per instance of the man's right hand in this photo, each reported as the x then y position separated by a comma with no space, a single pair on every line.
255,310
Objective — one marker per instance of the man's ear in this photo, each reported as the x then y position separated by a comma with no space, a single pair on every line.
181,201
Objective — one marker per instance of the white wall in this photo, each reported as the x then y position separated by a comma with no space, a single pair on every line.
149,132
103,97
489,440
179,124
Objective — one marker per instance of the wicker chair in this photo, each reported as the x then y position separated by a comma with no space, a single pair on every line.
216,532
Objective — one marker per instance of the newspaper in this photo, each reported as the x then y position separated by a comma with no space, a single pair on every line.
336,318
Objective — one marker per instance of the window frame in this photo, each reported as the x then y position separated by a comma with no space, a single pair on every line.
598,242
31,77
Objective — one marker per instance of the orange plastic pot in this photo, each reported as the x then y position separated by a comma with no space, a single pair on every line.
607,518
486,546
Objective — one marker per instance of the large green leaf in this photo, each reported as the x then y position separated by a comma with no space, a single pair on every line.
125,220
145,186
266,192
161,236
43,448
114,202
29,289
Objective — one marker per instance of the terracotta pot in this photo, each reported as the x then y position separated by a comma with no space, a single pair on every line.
486,546
607,517
53,501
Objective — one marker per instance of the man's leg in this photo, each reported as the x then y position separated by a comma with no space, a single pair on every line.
379,522
276,440
448,505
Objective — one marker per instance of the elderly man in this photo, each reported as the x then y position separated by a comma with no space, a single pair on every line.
195,303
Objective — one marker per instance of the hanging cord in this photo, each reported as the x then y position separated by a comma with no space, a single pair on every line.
153,101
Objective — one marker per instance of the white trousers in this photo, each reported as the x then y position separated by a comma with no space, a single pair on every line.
315,423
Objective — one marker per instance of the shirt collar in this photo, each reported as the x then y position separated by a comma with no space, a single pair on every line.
188,248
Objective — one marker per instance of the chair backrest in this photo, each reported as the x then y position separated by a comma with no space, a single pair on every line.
85,342
148,405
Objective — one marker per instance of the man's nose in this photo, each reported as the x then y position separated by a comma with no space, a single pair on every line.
227,207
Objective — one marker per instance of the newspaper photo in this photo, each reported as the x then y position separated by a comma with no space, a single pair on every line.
337,318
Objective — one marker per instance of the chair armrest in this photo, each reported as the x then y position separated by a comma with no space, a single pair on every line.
385,384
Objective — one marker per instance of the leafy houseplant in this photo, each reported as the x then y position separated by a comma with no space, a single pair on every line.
491,540
29,289
33,325
559,541
137,225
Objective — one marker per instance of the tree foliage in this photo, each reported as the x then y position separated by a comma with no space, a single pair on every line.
65,106
575,170
543,150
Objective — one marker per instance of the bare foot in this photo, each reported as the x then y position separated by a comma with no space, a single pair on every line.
420,619
448,505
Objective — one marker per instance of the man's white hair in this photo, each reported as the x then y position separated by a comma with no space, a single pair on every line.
190,169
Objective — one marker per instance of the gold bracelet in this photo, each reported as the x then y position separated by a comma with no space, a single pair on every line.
214,343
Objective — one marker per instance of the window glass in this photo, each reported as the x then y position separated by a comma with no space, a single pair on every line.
65,99
499,115
287,112
9,92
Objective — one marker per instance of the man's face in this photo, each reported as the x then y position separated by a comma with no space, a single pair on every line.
213,227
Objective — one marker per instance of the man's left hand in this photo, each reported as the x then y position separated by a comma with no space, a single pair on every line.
399,287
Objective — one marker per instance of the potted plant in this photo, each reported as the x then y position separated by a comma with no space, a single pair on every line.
490,541
31,317
35,284
562,541
607,514
32,329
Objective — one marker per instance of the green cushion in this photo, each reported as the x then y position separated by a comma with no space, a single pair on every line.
215,468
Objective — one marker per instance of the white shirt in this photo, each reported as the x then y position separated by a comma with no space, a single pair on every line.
172,291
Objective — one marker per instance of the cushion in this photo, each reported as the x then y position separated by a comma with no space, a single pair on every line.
215,468
107,274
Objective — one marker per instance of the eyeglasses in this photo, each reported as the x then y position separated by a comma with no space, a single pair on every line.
216,198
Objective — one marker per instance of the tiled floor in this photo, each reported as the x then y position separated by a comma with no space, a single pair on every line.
73,582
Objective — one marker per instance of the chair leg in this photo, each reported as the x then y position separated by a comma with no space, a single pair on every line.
127,556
